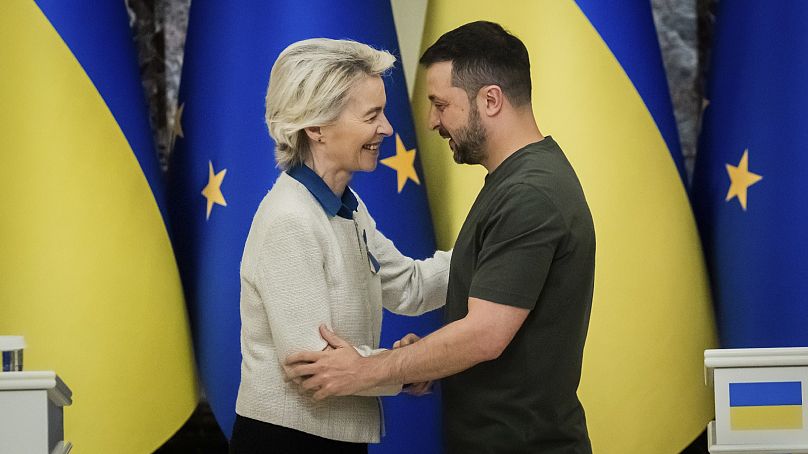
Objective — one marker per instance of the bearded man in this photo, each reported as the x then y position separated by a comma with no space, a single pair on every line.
522,271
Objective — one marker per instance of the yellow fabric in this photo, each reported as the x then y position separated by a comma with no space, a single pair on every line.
642,384
766,417
87,273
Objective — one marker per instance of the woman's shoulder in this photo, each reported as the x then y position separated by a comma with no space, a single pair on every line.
288,201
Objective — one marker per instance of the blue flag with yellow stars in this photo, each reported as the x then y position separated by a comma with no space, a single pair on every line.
223,165
749,183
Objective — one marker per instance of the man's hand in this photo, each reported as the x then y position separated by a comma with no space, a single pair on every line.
337,372
420,388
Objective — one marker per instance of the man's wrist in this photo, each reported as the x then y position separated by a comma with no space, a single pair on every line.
376,370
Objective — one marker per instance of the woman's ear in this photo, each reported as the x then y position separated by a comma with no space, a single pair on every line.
314,133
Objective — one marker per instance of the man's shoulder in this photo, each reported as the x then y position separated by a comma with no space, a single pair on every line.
525,193
542,192
529,183
545,169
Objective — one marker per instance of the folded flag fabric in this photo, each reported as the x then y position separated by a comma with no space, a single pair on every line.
87,270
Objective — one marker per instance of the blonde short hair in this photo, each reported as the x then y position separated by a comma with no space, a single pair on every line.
309,86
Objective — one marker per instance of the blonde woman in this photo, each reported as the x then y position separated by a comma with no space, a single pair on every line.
313,255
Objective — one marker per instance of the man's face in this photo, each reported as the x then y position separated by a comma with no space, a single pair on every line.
454,116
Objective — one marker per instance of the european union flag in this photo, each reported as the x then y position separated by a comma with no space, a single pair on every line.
749,184
223,166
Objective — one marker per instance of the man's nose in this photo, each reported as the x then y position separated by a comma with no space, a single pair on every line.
434,119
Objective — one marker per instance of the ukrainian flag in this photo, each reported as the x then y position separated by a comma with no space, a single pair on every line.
87,271
765,405
223,165
600,90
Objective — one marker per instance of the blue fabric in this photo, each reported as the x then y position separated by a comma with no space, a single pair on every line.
229,52
374,263
758,97
332,205
627,27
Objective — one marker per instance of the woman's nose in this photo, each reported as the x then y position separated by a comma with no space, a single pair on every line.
385,129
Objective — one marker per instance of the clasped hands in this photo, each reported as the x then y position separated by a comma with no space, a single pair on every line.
340,370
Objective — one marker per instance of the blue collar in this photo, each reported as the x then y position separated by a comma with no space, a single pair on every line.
332,205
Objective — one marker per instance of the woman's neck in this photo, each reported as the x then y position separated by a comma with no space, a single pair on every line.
336,179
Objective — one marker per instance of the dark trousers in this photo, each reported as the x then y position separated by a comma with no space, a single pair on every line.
258,437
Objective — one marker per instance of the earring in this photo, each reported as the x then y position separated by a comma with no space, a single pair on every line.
320,139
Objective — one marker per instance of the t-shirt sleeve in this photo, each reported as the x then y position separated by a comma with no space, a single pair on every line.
519,242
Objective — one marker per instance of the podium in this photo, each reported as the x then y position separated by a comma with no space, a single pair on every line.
760,400
31,413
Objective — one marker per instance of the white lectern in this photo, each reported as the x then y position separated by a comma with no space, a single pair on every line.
760,400
31,419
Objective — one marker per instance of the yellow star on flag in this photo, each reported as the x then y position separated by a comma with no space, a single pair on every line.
176,130
740,179
213,191
403,163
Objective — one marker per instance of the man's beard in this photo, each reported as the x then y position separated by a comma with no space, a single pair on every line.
470,140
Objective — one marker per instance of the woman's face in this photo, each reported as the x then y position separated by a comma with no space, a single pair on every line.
352,141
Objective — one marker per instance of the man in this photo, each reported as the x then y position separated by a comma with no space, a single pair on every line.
522,271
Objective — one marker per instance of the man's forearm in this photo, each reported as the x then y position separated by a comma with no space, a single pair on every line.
482,335
449,350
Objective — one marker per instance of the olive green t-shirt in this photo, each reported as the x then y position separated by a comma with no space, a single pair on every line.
527,242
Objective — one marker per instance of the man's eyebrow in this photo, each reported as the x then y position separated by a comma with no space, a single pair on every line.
434,98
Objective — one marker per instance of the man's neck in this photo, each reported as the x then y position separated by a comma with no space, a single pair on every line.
510,137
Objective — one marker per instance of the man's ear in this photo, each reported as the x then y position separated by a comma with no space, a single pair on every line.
314,133
492,99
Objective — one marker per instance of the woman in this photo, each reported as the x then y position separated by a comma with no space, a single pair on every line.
313,255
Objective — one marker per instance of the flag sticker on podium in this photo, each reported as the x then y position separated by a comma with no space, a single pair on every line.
766,405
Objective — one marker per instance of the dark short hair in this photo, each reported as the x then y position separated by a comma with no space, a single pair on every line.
483,53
